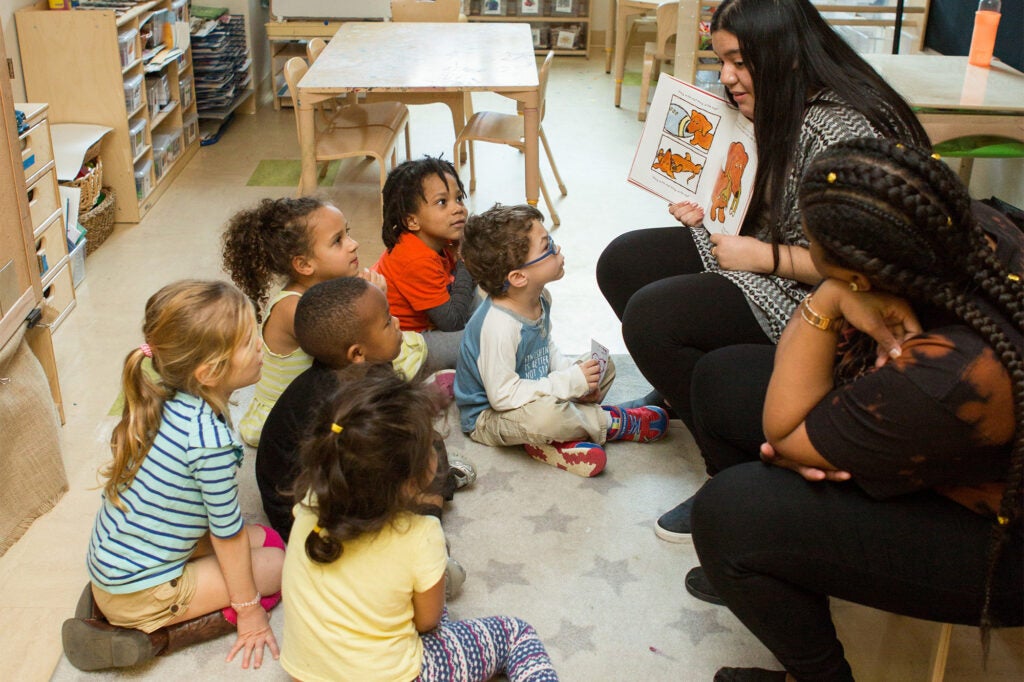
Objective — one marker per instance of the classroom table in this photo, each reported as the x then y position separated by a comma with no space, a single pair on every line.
952,98
624,9
424,57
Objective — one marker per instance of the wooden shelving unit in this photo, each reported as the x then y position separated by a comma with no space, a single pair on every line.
83,81
547,24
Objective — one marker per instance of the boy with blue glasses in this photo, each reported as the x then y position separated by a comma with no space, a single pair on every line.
512,385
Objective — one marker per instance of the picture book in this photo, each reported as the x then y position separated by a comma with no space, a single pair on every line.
697,147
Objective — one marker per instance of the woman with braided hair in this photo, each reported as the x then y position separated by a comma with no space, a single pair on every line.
897,395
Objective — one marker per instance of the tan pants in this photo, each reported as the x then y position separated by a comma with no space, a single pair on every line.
547,419
149,609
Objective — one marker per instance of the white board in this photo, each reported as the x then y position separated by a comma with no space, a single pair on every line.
330,9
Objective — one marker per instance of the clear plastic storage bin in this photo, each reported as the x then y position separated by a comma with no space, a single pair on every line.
166,150
191,128
126,46
133,93
158,93
143,178
137,135
185,92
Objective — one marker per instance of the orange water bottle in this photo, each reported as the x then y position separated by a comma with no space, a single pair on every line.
986,21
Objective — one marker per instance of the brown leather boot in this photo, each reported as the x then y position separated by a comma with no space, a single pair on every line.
175,637
95,644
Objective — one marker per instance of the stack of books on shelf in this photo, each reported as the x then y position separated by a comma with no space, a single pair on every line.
221,61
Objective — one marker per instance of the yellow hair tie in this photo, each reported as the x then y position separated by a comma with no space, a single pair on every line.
1013,277
336,428
949,221
899,145
831,177
1003,521
936,157
318,530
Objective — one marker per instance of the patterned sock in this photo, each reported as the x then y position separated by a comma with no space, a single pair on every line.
639,424
577,457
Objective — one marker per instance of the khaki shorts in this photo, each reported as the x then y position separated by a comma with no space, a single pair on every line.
148,609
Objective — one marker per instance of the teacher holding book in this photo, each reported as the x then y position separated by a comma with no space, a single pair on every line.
681,293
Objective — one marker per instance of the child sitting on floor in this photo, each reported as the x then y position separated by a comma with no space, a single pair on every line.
339,322
428,286
170,560
512,385
364,575
298,242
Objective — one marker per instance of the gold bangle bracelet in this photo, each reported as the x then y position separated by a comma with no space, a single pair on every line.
811,317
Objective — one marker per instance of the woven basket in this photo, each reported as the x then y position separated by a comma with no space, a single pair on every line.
99,222
90,184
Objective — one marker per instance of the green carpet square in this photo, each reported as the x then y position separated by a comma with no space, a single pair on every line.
286,173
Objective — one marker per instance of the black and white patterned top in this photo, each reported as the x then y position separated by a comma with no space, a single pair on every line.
827,120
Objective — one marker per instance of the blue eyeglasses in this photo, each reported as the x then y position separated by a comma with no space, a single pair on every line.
551,251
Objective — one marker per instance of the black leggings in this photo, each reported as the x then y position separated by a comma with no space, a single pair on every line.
672,310
776,546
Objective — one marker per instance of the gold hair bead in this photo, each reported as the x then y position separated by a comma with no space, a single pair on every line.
1003,521
949,221
899,145
1013,277
936,157
831,177
336,428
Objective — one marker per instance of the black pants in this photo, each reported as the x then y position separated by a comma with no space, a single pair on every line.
672,310
775,546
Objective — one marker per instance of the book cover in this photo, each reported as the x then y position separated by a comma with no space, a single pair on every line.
697,147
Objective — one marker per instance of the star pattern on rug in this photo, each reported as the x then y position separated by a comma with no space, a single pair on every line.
453,522
571,638
615,573
601,485
698,624
498,573
496,479
553,519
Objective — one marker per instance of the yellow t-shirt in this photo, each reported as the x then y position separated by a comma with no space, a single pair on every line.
352,619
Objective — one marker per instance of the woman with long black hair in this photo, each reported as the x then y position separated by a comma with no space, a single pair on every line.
681,293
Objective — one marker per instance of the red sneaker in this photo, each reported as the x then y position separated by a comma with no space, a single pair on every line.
577,457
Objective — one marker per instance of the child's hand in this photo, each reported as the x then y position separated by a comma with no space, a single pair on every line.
592,373
253,634
687,212
374,278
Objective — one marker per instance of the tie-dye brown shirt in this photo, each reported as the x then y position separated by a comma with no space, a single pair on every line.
941,414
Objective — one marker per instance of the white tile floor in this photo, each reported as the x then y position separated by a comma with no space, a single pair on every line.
42,575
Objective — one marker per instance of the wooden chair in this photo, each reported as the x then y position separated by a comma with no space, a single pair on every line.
460,103
354,130
377,113
661,50
426,10
509,129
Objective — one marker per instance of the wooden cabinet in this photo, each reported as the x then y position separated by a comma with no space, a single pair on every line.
559,25
28,155
89,66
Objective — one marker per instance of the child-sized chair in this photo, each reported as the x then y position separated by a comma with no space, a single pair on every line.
662,49
510,129
354,130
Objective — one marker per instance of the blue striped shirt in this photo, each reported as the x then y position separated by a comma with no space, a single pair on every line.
184,488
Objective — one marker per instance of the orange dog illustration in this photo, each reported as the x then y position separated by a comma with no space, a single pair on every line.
728,184
697,125
670,164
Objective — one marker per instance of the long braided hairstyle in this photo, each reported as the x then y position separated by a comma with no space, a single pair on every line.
368,442
903,219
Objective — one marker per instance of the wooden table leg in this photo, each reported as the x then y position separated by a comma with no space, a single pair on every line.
531,123
620,49
609,38
307,147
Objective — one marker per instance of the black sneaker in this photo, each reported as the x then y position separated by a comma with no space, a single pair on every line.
698,585
674,525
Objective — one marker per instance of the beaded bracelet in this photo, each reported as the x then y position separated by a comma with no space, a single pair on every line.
247,604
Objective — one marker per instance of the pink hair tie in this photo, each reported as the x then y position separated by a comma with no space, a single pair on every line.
146,350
